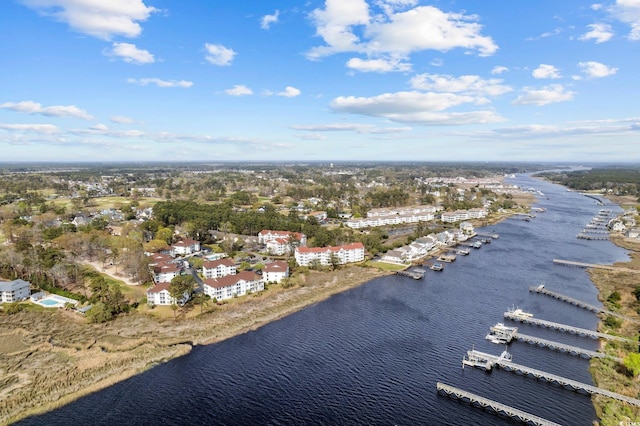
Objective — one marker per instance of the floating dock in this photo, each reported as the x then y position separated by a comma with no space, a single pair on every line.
542,290
583,332
447,258
492,405
507,365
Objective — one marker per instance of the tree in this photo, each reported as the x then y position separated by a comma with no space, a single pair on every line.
98,313
632,362
334,261
181,288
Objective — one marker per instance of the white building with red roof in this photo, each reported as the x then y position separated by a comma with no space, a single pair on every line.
185,247
165,272
218,268
279,242
159,295
348,253
231,286
275,272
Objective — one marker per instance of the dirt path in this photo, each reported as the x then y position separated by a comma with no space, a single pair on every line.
111,271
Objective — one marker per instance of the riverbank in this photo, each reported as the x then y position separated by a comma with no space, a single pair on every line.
51,358
606,373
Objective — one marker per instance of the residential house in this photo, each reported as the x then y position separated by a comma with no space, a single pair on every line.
275,272
218,268
159,295
231,286
165,272
348,253
14,291
280,242
394,256
185,247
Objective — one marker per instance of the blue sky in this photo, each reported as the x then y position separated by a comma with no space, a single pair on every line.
131,80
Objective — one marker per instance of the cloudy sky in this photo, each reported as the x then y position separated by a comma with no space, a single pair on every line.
129,80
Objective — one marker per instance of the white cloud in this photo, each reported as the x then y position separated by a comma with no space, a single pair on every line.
122,120
546,71
313,137
350,127
415,107
99,127
160,83
347,26
546,95
30,107
239,90
596,6
31,128
98,18
542,131
378,65
130,53
467,84
598,32
499,70
289,92
267,20
217,54
628,12
596,69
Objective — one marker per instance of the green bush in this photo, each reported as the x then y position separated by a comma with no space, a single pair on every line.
12,308
613,322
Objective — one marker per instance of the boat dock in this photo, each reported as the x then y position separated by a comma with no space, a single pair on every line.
561,347
416,274
503,335
447,258
562,327
542,290
493,236
594,265
495,406
507,365
462,252
592,236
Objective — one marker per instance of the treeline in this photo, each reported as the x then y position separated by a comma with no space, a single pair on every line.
200,219
619,181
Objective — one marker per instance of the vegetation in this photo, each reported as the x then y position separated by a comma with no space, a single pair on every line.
616,181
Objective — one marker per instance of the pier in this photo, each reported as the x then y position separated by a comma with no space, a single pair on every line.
493,236
594,265
563,328
561,347
507,365
503,335
488,404
541,290
447,258
592,236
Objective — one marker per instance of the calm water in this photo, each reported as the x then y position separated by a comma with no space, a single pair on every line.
373,355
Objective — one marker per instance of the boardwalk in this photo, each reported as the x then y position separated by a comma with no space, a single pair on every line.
507,365
497,407
542,290
595,265
564,328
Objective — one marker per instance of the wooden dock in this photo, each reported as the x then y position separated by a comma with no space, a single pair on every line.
595,265
507,365
583,332
542,290
416,274
489,404
561,347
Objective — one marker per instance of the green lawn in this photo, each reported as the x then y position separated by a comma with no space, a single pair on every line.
386,266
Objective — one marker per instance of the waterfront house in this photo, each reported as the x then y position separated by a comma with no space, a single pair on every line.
14,291
159,295
275,272
218,268
231,286
347,253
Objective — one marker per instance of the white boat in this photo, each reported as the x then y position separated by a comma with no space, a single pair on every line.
517,312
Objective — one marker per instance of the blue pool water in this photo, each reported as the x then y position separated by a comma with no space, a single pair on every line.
49,302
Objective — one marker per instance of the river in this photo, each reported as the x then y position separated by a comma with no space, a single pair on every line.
373,355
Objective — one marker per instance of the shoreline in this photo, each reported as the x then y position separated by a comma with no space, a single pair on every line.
81,358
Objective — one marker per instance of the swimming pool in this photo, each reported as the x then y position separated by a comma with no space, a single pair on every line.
55,301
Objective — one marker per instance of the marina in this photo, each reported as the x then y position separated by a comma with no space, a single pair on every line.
416,273
489,404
